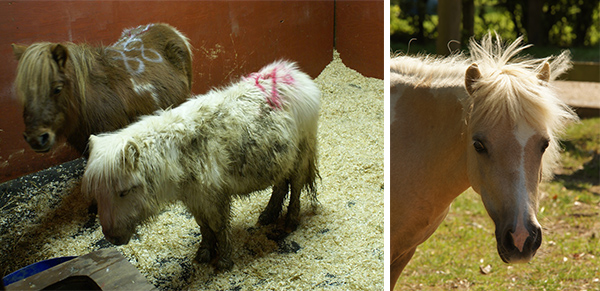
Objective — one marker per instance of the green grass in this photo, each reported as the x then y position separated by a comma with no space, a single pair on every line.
569,258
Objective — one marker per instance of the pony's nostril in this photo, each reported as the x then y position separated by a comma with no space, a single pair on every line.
537,241
508,242
43,139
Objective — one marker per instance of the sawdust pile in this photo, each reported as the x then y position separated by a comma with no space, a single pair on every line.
339,243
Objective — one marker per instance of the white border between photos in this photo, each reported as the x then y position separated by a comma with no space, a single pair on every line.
386,130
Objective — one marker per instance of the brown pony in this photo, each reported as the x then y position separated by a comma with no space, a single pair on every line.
75,90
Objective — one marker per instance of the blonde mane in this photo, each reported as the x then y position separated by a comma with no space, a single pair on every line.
431,71
509,87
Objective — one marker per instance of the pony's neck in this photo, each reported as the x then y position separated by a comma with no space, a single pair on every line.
428,137
428,164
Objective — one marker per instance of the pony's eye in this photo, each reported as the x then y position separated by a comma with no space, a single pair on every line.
57,90
479,147
124,193
128,191
545,145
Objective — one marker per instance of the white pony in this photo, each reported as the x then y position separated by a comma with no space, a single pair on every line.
256,133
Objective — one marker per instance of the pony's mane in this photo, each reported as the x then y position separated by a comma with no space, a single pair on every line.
37,64
508,86
431,71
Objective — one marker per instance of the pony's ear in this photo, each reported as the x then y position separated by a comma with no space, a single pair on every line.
544,73
60,54
131,155
18,50
471,77
91,142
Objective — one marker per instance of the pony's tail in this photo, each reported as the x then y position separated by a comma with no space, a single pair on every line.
310,185
311,170
178,52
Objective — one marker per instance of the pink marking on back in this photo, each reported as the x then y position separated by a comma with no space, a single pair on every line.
273,99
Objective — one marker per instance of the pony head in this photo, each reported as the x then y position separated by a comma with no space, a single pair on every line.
118,180
44,89
514,118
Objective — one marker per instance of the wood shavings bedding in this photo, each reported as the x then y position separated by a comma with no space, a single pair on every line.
338,245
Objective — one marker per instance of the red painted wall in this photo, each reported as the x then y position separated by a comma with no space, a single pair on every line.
230,39
359,36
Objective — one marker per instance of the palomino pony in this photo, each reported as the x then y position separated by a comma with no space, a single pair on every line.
77,90
489,122
256,133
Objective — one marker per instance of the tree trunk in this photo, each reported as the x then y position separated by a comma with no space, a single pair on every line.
468,19
421,12
449,16
535,33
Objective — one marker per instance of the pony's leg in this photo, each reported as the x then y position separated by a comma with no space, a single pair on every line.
273,209
293,214
224,249
219,224
398,265
207,249
214,225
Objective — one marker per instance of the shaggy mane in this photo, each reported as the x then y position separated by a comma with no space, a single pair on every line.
37,64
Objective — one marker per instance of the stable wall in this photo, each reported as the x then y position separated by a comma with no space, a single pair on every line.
230,39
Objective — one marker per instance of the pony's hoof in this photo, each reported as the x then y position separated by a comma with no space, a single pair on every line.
277,234
291,225
224,265
203,255
266,219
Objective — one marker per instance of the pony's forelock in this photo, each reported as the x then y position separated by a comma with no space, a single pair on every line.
36,66
104,173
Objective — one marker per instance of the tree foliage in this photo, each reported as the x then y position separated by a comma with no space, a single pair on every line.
546,22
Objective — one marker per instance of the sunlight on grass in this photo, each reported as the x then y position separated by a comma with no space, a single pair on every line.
569,258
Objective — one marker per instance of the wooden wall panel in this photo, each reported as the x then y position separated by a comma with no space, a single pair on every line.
231,39
359,36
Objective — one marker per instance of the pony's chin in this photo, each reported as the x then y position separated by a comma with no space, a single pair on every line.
42,150
514,256
118,240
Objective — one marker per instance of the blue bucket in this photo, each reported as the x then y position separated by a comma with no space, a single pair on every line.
34,269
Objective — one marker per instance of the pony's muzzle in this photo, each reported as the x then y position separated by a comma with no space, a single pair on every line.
117,240
41,142
513,251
